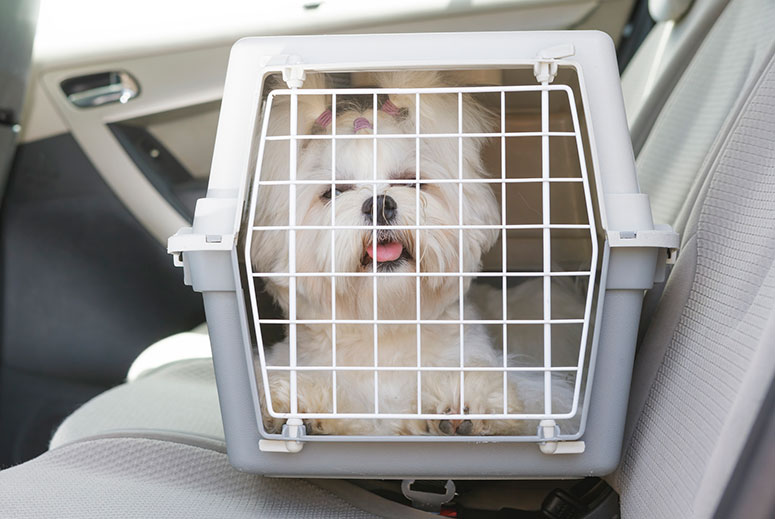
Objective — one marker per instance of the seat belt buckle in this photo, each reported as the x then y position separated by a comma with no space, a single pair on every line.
561,505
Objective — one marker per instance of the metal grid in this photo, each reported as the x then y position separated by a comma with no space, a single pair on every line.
292,321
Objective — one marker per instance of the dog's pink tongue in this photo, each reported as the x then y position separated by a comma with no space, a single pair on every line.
385,251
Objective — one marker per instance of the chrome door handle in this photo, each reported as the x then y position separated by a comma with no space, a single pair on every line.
100,89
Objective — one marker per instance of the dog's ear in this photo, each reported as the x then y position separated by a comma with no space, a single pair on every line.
439,113
403,106
311,108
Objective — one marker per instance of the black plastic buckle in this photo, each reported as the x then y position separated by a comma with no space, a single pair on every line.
590,499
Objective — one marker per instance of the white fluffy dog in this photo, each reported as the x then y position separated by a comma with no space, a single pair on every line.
395,251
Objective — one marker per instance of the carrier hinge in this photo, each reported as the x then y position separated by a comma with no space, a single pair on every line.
292,68
545,67
293,428
548,429
293,71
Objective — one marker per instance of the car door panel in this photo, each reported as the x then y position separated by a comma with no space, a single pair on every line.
168,82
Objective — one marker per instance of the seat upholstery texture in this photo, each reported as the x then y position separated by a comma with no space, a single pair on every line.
709,356
727,62
140,477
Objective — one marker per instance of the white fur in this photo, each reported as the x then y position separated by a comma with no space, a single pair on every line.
525,343
438,252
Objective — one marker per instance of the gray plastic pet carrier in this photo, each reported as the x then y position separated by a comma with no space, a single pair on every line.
423,255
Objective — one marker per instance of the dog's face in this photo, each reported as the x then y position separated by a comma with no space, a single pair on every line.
374,192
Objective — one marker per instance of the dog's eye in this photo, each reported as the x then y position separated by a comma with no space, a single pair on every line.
337,191
327,194
412,185
407,175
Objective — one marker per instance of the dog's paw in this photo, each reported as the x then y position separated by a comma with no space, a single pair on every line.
279,388
473,426
315,426
454,427
273,425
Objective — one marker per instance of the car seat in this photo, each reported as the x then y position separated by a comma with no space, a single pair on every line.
660,60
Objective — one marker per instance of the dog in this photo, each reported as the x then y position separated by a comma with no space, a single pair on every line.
396,200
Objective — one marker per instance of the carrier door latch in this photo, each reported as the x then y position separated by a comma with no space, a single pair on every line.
545,68
662,237
627,232
186,241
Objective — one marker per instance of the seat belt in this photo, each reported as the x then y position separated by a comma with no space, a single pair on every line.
650,302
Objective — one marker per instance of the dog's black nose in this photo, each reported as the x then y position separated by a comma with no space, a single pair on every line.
386,209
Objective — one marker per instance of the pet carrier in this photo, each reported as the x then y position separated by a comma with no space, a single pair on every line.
423,255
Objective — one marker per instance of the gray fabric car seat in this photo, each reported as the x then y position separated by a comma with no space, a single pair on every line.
136,477
674,160
708,358
662,57
725,65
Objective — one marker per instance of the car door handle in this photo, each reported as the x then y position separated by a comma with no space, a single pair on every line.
100,89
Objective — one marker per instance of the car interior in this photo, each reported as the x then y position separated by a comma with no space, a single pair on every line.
108,402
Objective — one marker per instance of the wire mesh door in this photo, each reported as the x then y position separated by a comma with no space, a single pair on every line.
420,231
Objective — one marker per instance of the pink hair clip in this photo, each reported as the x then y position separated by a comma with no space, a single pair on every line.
389,108
324,119
361,123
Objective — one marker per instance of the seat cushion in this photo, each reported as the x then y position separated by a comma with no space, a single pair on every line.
194,344
127,477
176,399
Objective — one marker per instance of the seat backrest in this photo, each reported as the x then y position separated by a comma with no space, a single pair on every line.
708,357
728,61
662,57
